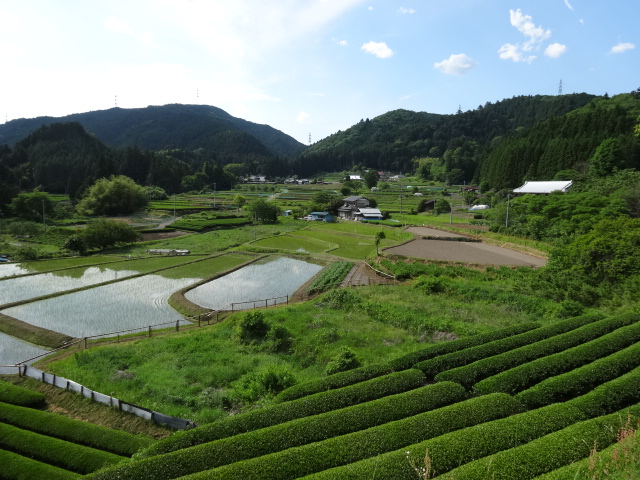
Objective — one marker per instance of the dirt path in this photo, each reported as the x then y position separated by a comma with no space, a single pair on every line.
361,274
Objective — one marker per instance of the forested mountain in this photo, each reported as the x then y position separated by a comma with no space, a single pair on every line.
168,127
394,140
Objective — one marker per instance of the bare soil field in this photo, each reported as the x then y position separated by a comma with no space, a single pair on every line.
464,252
432,232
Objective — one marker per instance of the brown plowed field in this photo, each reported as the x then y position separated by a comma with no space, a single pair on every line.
465,252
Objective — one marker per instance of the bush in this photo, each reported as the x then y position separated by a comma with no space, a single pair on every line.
434,366
344,360
471,374
290,434
341,299
76,431
279,340
521,377
409,360
544,454
60,453
579,381
17,467
261,383
252,327
337,380
312,405
304,460
16,395
456,448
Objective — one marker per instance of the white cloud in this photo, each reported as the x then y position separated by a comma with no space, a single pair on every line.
534,35
569,6
117,25
406,10
342,43
622,47
555,50
456,64
379,49
303,117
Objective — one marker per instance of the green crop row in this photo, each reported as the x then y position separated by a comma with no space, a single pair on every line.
51,424
331,275
53,451
315,457
17,467
521,377
545,453
287,435
15,395
199,224
331,382
434,366
450,450
611,396
443,348
469,375
581,380
312,405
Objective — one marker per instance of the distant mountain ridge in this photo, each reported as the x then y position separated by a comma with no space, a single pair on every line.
174,126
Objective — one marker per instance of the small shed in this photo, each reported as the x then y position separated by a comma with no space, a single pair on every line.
288,212
322,217
369,214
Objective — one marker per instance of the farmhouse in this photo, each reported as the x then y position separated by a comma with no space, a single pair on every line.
543,188
357,208
321,217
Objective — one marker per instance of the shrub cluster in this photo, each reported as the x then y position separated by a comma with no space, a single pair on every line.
434,350
284,412
287,435
337,380
53,451
448,451
611,396
15,395
581,380
434,366
51,424
330,276
544,454
307,459
17,467
523,376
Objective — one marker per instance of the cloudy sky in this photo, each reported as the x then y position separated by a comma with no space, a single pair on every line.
309,67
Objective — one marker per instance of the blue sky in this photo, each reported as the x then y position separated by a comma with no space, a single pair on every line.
310,67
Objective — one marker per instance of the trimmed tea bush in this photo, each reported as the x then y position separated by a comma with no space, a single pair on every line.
337,380
53,451
76,431
287,435
17,467
581,380
544,454
470,374
434,350
299,461
15,395
519,378
611,396
453,449
434,366
303,407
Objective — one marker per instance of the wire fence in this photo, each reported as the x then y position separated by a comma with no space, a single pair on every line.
253,304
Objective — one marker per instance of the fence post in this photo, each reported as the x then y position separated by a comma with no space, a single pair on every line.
85,343
177,325
266,303
287,299
149,330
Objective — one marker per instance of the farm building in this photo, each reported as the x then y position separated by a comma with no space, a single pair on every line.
543,188
321,217
167,251
368,214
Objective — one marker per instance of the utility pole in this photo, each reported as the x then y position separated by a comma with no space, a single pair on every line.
506,223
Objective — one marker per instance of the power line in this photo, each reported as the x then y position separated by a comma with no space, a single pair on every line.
560,88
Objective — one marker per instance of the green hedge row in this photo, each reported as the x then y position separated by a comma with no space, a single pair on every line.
331,382
611,396
436,349
76,431
545,453
469,375
287,435
579,381
450,450
315,457
53,451
17,467
15,395
434,366
524,376
284,412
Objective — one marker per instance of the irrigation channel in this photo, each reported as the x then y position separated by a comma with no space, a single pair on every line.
105,300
